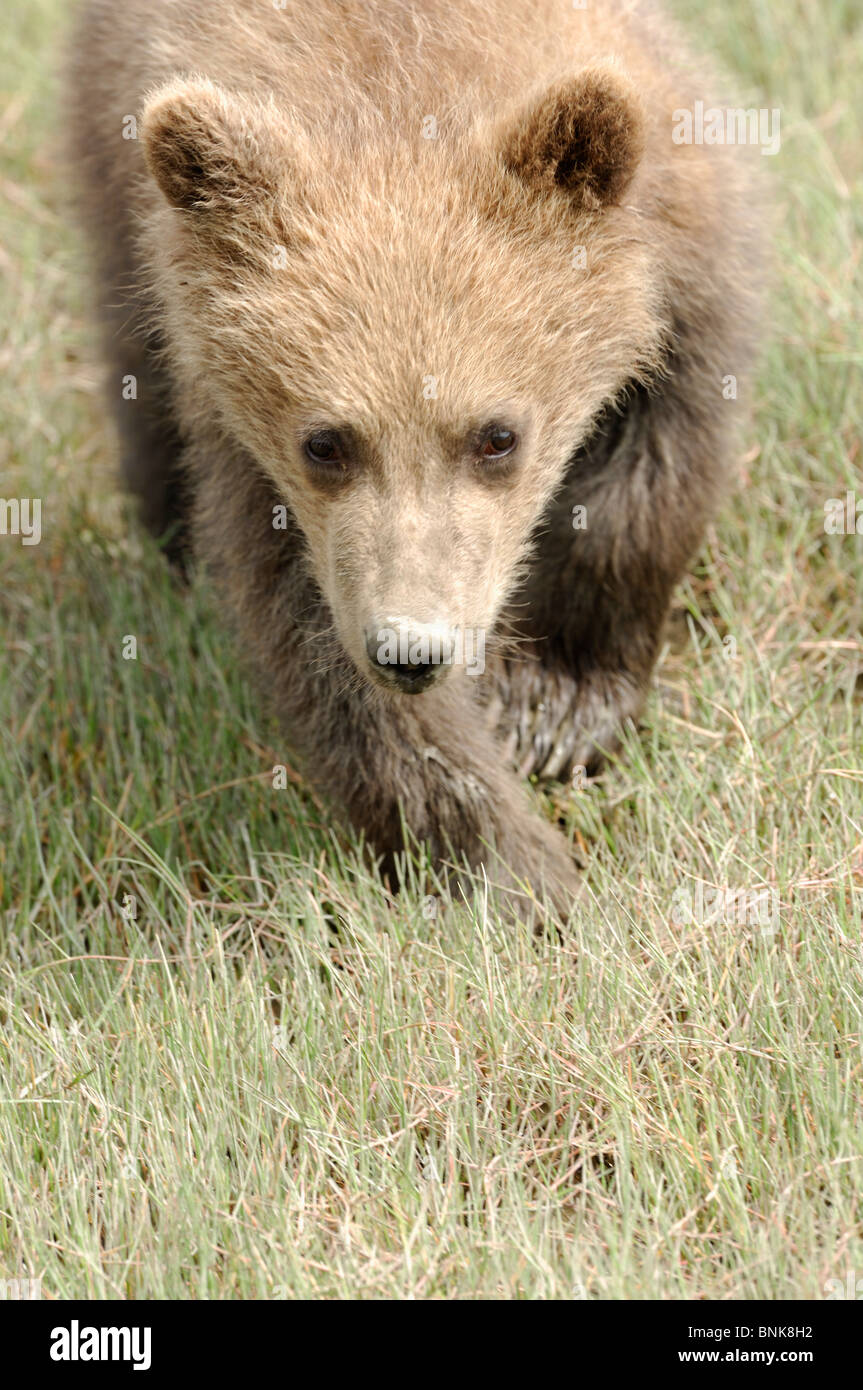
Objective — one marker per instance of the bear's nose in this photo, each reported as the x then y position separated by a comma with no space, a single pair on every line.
409,656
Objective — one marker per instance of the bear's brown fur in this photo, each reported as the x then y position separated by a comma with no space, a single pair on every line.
356,249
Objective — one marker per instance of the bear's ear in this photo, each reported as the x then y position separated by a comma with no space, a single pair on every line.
585,135
203,147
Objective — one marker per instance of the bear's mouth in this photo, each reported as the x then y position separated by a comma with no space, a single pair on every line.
408,678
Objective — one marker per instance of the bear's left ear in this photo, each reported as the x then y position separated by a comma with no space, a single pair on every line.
585,135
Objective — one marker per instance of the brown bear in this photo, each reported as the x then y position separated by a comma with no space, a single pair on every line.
428,314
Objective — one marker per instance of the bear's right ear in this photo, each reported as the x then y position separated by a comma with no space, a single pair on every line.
202,147
584,135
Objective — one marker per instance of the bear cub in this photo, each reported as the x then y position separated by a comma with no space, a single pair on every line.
429,318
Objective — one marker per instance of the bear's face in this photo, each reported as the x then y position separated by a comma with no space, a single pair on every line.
411,345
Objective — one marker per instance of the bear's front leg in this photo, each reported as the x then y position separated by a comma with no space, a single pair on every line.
616,540
433,761
551,723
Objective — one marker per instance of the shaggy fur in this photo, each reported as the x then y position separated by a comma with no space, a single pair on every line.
283,249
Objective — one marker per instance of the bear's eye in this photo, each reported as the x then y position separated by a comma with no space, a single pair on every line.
324,446
497,443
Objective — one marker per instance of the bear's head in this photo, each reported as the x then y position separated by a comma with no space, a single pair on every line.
409,332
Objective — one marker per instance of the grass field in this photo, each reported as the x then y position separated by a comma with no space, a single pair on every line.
230,1066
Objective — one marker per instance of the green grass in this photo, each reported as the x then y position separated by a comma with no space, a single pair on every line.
275,1082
